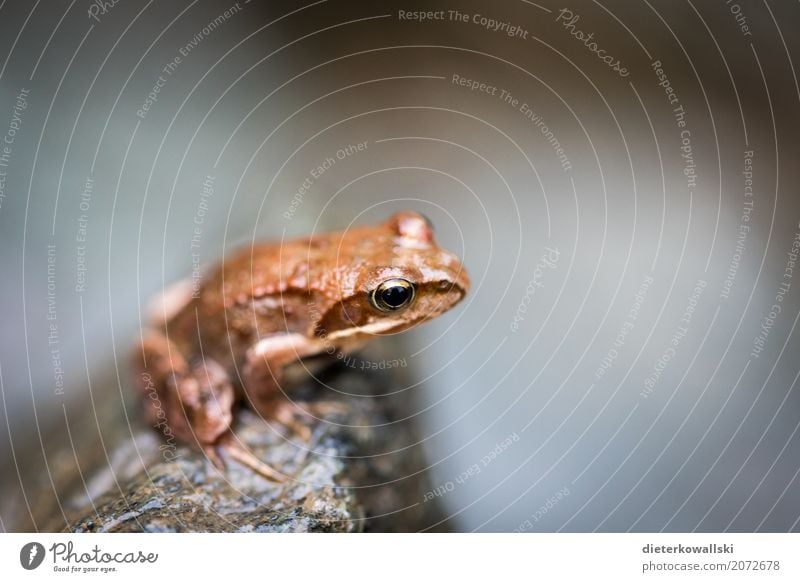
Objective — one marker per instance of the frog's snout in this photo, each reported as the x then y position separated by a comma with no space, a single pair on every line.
456,281
458,273
463,281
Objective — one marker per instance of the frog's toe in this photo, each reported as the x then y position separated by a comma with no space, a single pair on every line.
289,415
233,447
212,455
324,409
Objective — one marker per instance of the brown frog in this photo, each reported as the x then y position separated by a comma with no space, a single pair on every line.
238,335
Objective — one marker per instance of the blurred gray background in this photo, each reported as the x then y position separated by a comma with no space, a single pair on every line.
619,364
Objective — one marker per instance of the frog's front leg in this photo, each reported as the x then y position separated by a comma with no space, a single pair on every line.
264,379
191,397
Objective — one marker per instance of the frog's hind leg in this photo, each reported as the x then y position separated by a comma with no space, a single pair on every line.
164,379
192,401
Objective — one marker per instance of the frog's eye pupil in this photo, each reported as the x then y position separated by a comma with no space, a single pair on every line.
393,294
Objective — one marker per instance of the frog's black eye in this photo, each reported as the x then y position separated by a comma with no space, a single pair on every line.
392,294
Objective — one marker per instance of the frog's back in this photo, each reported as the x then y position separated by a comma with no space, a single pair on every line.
256,291
280,286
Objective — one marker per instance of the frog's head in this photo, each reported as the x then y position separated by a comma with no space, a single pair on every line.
390,278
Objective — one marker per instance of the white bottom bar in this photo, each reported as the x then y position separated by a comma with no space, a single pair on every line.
390,557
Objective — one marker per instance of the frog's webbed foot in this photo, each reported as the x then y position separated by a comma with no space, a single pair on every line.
232,447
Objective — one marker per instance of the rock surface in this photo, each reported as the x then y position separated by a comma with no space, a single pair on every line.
362,470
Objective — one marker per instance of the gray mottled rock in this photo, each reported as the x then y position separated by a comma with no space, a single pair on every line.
362,470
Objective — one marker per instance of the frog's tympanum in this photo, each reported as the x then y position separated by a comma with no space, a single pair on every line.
241,333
